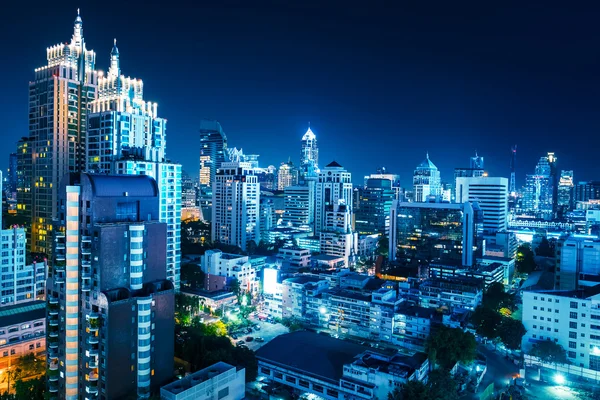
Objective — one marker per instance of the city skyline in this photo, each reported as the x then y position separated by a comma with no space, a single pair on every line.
449,116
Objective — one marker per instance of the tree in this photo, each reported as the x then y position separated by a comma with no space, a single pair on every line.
192,276
251,247
511,331
549,352
31,389
293,324
545,248
452,345
496,298
486,320
442,386
416,390
234,286
383,246
525,259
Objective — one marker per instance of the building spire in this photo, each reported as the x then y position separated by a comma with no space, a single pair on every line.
427,154
78,31
114,69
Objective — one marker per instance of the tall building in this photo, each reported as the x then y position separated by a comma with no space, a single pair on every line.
565,192
126,136
393,178
428,232
578,262
492,196
235,205
309,156
541,189
110,305
59,100
585,191
213,149
24,178
11,176
19,281
426,181
299,206
334,186
188,191
373,213
287,175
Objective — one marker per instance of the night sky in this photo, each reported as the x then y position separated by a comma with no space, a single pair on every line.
379,85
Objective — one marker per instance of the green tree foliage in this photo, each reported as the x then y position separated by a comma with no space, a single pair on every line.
192,276
383,246
525,259
496,298
201,348
511,331
293,324
440,386
549,352
452,345
545,248
486,320
31,389
185,308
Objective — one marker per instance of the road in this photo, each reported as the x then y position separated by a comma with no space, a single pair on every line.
499,369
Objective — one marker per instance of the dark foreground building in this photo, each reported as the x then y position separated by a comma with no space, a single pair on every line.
110,306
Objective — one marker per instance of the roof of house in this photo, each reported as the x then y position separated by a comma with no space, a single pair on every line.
19,313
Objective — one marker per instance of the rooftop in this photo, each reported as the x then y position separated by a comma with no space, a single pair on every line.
123,185
16,314
197,378
583,293
317,355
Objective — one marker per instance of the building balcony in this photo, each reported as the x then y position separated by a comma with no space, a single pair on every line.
93,353
53,386
86,273
92,340
92,387
53,364
53,320
93,363
93,321
93,376
86,285
86,239
52,374
59,276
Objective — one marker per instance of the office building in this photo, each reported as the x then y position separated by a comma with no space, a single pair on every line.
426,232
110,304
334,186
426,181
393,178
302,360
59,100
309,156
24,179
476,162
568,318
232,267
578,262
287,175
294,258
11,176
213,151
464,173
492,196
22,332
20,282
236,201
126,136
222,380
541,189
299,206
373,213
458,293
587,190
565,193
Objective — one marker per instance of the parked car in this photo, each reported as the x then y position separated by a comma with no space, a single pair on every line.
249,330
240,343
259,339
249,339
234,336
257,327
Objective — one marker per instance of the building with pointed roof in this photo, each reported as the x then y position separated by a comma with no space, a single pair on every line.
309,157
426,181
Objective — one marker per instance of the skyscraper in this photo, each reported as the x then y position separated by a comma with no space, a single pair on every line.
287,175
309,156
373,214
565,193
59,98
492,196
426,181
541,189
24,178
213,148
235,205
476,162
299,206
110,306
333,187
11,178
126,136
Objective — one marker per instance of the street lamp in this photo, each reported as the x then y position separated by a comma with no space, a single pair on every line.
559,379
323,310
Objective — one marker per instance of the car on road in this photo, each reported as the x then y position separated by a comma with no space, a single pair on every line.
259,339
249,339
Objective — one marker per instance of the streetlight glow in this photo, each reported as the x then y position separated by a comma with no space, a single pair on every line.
322,310
559,379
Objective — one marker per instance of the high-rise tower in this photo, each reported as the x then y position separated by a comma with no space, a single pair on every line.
541,189
309,157
512,187
126,136
59,98
110,327
426,181
213,149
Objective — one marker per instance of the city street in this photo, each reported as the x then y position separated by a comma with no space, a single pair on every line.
500,371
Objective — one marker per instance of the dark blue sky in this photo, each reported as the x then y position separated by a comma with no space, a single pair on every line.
381,85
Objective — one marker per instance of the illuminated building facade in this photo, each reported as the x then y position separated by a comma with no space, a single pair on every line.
565,192
309,156
541,189
334,186
126,136
213,149
427,232
287,175
59,99
426,181
373,212
492,196
235,205
299,206
110,305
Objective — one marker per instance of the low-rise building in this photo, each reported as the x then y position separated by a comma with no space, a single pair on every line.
453,293
412,326
214,300
336,369
22,332
231,266
326,261
294,258
489,273
219,381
